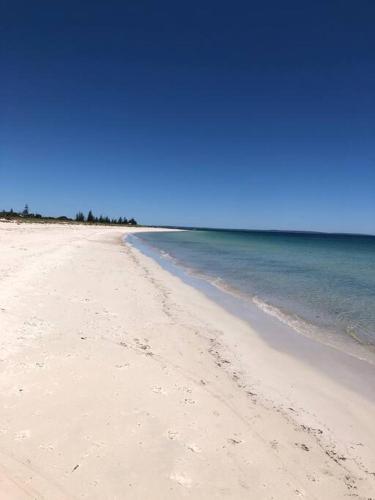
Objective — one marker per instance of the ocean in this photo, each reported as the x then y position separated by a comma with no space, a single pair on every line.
322,285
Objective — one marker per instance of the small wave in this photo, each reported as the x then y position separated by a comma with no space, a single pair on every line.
290,319
166,255
133,238
223,286
325,336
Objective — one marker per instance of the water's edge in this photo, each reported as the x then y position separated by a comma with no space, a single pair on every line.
243,302
355,370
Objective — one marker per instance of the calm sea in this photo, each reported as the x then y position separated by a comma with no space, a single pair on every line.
321,284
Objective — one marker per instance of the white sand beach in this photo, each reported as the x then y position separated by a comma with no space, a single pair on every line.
120,381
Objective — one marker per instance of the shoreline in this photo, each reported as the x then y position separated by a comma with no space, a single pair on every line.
344,366
246,306
120,380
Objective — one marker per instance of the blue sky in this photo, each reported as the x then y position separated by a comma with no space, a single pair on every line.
241,114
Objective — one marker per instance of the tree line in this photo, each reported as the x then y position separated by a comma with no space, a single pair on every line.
80,217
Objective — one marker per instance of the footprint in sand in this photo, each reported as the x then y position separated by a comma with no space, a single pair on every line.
46,447
274,444
25,434
194,448
159,390
184,388
182,479
172,435
189,401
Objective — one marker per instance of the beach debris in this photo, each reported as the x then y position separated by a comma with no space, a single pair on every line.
234,441
303,446
311,430
75,467
335,456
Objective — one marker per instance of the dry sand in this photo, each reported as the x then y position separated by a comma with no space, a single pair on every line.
119,381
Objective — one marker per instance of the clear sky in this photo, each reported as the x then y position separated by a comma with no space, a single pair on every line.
207,113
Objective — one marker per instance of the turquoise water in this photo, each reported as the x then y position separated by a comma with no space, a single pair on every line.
318,283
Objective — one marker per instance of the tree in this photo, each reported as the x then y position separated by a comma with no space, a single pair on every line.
119,220
90,216
26,210
80,217
132,222
125,220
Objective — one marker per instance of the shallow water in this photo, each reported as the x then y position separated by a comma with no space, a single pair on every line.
320,284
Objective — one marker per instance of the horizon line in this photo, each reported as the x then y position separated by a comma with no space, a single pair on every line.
295,231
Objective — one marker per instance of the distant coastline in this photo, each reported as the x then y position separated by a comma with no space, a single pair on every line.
287,231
